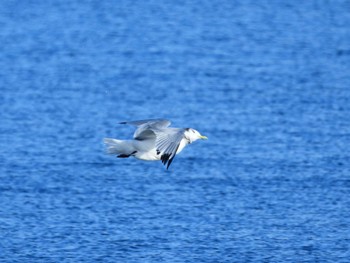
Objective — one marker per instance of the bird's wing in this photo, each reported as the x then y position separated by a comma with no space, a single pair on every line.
145,128
167,142
158,122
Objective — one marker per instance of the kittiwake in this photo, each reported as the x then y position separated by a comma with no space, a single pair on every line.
153,140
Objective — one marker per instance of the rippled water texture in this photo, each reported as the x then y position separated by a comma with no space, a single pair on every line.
267,82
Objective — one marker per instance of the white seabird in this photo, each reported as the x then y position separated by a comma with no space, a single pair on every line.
153,141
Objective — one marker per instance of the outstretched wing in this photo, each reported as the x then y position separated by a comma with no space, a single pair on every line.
159,122
146,128
167,143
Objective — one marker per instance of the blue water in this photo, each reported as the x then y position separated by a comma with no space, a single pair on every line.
267,81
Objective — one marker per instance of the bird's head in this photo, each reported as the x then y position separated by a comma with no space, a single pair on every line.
193,135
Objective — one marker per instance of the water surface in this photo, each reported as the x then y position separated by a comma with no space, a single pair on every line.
268,83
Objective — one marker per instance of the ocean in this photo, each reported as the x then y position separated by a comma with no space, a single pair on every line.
266,81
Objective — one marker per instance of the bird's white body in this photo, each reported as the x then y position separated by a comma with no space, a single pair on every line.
145,150
153,141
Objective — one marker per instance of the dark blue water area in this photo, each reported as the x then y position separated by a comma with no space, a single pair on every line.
267,81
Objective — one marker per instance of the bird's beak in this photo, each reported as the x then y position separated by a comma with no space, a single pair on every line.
203,137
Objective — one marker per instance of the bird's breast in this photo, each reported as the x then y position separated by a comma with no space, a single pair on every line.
182,145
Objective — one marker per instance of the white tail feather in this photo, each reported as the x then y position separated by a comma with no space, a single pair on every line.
115,146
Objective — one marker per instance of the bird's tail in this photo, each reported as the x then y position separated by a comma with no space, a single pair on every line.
115,146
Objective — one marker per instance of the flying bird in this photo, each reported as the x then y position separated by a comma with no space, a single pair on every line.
153,140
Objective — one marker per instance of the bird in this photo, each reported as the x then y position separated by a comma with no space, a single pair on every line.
153,140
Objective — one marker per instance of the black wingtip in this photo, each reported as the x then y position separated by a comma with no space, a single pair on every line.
123,122
167,160
169,163
172,158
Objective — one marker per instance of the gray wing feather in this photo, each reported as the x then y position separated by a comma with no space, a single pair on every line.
157,122
146,128
167,143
